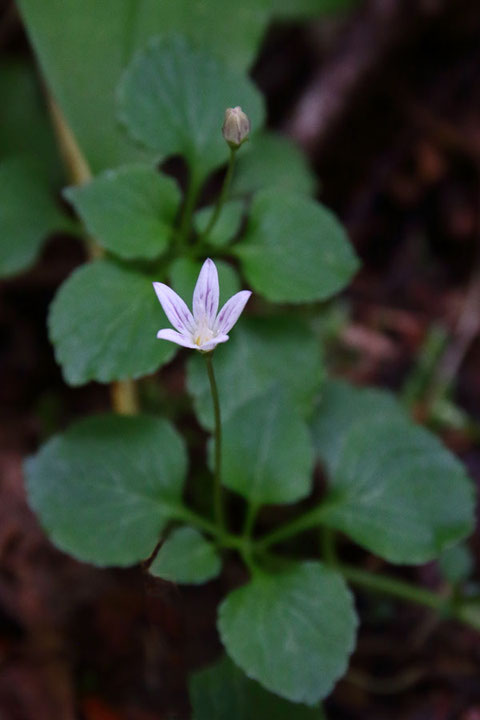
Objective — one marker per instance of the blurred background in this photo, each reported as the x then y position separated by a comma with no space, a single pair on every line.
383,97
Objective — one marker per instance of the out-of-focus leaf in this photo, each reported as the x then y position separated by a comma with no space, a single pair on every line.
28,213
186,557
294,249
172,98
292,631
106,488
130,211
270,160
103,324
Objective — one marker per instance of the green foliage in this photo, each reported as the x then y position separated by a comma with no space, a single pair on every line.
170,98
24,124
269,160
223,691
227,224
394,488
292,631
294,250
457,563
271,434
342,405
105,489
103,324
129,211
260,352
184,273
28,213
186,557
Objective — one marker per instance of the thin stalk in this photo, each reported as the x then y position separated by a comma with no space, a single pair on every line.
217,486
191,196
443,604
123,394
300,524
222,197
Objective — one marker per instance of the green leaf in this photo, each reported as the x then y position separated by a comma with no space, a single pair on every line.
260,352
103,323
130,211
398,492
24,124
294,250
184,274
270,433
226,226
292,631
270,160
28,213
223,691
457,563
341,405
186,557
172,98
309,8
106,488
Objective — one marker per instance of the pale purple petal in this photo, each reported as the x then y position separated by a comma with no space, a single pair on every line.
206,293
213,343
174,307
176,338
231,311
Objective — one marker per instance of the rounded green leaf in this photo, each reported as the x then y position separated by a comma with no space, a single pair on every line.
398,492
292,631
270,433
340,406
28,213
105,489
186,557
103,324
184,275
261,351
271,160
224,691
294,249
226,226
172,99
130,211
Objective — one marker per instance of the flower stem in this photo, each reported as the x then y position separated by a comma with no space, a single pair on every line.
217,487
222,197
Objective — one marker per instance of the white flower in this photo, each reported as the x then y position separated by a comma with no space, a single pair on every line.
204,329
236,127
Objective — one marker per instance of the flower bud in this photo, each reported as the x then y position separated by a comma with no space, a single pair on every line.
236,127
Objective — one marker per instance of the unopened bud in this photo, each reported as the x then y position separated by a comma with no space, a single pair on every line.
236,127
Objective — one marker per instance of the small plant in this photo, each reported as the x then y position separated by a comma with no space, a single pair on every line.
110,489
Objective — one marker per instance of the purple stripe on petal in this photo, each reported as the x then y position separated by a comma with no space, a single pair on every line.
231,311
174,307
176,337
206,293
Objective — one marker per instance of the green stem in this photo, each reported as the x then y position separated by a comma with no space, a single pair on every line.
444,605
327,545
304,522
193,189
250,517
217,486
222,197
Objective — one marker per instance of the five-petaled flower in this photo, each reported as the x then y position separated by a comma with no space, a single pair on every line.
204,329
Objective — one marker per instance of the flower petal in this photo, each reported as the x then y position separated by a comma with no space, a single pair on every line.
213,343
174,307
231,311
176,337
206,294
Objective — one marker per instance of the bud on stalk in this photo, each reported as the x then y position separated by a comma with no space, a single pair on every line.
236,127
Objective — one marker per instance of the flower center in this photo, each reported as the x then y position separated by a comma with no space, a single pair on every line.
202,332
